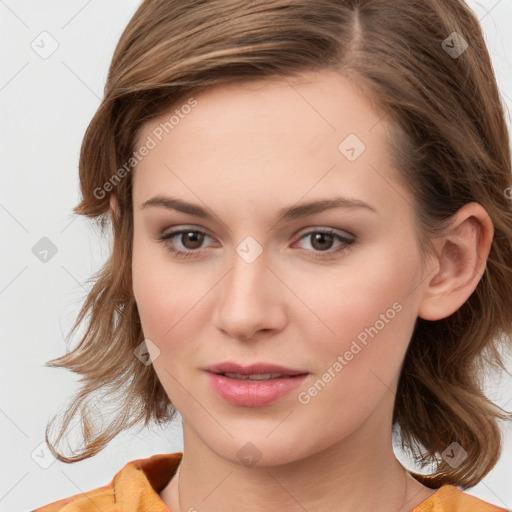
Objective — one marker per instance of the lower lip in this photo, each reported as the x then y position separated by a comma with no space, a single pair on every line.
249,393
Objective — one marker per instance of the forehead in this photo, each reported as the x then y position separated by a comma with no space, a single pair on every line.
326,101
261,140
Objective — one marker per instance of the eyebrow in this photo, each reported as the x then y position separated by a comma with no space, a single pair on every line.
291,212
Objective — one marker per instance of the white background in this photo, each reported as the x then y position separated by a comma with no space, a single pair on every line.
46,105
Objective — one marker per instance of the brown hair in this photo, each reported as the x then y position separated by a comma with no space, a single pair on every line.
449,143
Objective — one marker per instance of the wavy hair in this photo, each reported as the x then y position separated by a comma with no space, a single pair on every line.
450,144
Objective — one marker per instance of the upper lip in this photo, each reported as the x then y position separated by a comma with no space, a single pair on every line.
253,369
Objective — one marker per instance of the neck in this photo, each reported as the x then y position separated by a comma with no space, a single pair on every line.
361,473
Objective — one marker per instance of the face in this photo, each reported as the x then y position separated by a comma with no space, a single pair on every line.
333,293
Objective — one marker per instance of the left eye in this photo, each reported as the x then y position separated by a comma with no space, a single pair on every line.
322,238
193,239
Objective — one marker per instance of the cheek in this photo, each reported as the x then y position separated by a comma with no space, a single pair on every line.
156,291
168,298
368,314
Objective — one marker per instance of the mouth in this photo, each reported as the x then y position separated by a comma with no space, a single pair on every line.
255,372
253,389
258,377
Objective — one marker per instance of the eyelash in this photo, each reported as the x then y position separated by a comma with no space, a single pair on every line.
164,239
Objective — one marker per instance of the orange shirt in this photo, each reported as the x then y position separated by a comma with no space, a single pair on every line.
136,486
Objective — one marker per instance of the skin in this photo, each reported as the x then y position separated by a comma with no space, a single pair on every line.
243,153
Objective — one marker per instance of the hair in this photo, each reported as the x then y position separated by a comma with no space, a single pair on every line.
450,145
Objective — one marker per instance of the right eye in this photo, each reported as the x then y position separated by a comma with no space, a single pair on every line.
191,237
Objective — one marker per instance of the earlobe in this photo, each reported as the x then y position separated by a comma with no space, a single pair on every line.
461,262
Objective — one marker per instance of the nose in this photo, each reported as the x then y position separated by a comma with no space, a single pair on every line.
250,300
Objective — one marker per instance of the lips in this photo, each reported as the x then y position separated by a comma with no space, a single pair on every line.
253,369
253,393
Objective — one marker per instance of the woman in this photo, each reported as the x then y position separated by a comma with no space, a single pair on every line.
234,141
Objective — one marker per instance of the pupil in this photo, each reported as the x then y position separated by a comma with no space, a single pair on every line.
321,237
196,239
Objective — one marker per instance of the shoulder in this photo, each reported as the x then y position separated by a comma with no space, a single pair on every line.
133,488
450,498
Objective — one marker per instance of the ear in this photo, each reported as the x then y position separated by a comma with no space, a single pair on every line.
461,260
